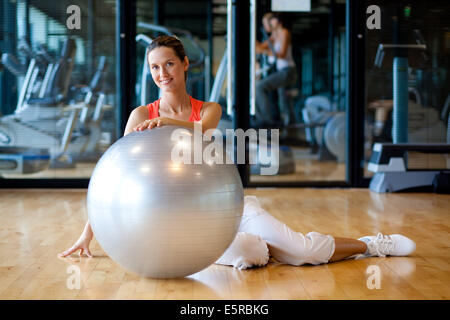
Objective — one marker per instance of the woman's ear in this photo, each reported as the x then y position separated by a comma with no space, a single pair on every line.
186,63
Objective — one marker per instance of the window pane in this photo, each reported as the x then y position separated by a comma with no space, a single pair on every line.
408,90
57,87
300,90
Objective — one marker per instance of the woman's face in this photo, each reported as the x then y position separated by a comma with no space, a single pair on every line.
167,69
266,25
274,23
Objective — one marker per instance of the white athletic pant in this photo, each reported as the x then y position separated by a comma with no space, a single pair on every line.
260,233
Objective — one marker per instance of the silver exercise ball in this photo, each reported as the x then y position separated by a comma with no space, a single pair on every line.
160,218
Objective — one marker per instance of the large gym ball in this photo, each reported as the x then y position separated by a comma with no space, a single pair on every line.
161,218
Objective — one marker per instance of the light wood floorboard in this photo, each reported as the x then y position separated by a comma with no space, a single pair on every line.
37,224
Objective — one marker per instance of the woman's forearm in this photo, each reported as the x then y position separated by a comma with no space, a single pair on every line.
262,45
181,123
88,230
187,124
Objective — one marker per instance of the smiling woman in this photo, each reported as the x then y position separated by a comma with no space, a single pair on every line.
168,64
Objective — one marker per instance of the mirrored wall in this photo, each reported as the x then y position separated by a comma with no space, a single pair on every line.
299,89
408,81
57,87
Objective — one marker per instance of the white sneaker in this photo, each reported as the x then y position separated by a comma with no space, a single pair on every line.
388,245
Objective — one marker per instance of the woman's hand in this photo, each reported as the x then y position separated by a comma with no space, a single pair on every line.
151,123
81,244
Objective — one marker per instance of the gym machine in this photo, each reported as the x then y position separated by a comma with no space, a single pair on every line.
389,161
46,131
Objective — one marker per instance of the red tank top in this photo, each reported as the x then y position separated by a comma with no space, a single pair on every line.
153,109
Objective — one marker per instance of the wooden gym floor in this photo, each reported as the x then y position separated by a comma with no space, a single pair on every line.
37,224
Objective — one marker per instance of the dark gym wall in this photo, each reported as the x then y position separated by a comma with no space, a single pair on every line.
8,87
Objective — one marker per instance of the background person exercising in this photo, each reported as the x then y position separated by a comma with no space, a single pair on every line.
284,76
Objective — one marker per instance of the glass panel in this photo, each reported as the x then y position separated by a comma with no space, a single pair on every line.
408,80
300,90
57,87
